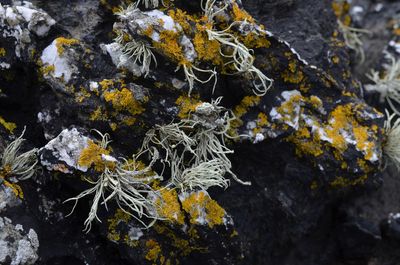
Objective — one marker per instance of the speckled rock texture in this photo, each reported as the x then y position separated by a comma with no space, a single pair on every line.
311,144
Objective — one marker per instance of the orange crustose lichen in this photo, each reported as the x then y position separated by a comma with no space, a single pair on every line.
186,105
124,100
168,206
199,205
10,126
62,42
92,156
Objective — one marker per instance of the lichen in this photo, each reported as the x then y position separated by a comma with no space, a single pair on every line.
241,109
182,247
305,144
124,100
187,105
168,206
262,121
207,50
9,126
92,156
15,188
62,42
113,222
200,206
341,10
98,115
2,52
293,74
182,18
240,14
154,252
341,182
81,95
170,46
254,40
48,69
106,84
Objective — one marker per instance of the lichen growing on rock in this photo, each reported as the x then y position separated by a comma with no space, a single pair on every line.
16,166
202,209
184,89
189,40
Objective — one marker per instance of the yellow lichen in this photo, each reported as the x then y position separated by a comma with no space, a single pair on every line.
199,205
361,135
182,18
339,120
46,70
168,206
2,52
92,156
234,233
148,31
289,108
129,121
81,95
182,247
342,123
240,14
113,222
364,165
316,102
293,75
262,120
169,45
207,50
314,185
186,105
9,126
305,144
154,251
15,188
342,118
241,109
124,100
113,126
245,104
340,182
62,42
341,10
98,115
254,40
106,84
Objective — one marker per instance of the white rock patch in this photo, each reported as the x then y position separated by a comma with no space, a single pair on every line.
64,149
62,68
16,244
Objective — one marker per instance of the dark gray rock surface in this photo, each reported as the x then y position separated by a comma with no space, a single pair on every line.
311,202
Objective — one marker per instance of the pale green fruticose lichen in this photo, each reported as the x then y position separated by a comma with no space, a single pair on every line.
241,57
387,86
123,182
352,39
16,164
195,149
391,147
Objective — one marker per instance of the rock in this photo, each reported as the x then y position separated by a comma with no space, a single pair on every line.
17,246
62,153
391,226
8,199
310,144
357,239
21,25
